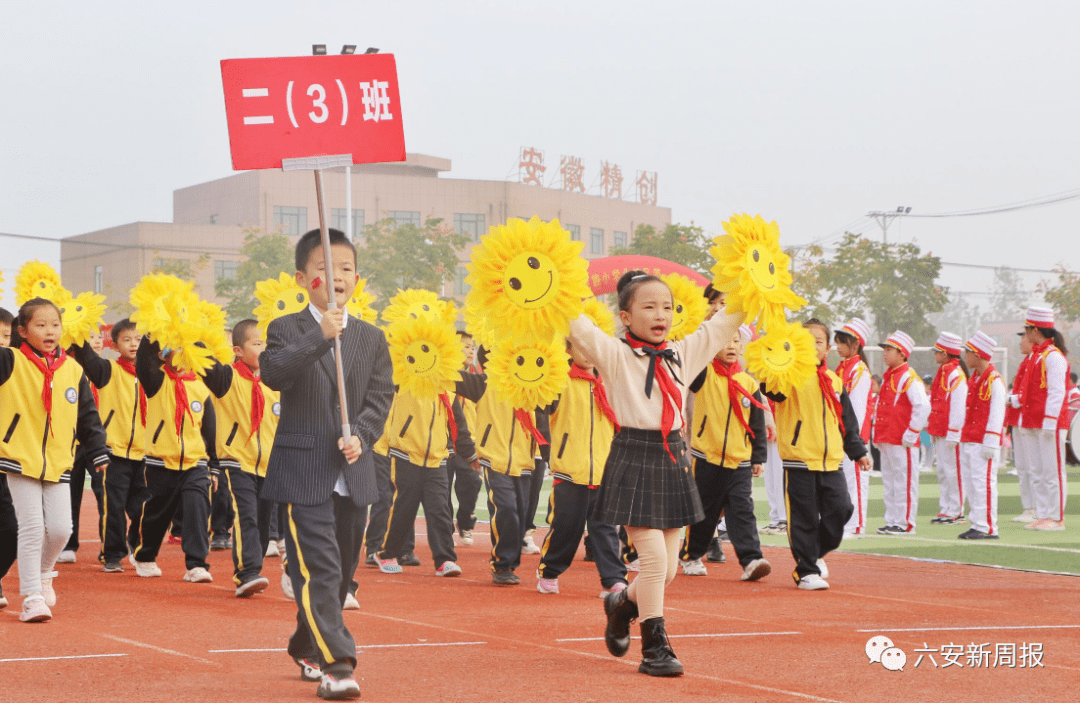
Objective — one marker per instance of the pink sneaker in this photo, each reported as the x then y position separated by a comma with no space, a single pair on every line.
617,588
35,610
547,585
389,566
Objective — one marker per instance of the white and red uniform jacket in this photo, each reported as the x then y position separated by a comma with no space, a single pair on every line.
1043,397
948,398
902,408
857,382
984,420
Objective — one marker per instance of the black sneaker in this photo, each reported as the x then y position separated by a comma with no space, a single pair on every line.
722,536
941,520
505,577
715,553
890,530
219,544
113,567
408,559
371,560
975,534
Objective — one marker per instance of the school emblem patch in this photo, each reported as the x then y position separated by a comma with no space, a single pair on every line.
276,409
196,406
71,395
746,402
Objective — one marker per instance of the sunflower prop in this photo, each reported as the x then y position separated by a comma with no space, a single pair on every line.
427,355
80,316
278,297
169,311
415,303
361,302
528,280
753,270
157,299
475,326
529,374
1,281
38,280
690,306
783,358
600,315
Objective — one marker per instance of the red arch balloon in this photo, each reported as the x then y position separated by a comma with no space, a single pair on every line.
604,273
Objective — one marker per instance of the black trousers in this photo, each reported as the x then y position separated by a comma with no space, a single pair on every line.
532,484
124,494
251,525
222,513
9,529
728,492
380,510
569,511
323,543
415,485
78,483
504,494
169,489
818,507
466,484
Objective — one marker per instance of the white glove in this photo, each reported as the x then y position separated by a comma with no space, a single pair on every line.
1014,400
910,439
909,445
989,453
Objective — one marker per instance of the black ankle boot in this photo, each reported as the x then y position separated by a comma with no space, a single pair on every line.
657,659
621,611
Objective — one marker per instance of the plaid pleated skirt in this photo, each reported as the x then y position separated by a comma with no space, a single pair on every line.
643,487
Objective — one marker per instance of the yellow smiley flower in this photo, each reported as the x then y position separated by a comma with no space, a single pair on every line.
361,302
427,355
37,279
528,280
689,308
278,297
80,316
600,315
528,375
415,303
783,358
754,271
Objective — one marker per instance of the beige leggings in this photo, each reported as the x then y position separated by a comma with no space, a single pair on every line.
658,551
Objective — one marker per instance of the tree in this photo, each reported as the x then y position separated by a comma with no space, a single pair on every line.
683,244
399,255
959,316
1008,299
265,256
1065,296
895,284
185,269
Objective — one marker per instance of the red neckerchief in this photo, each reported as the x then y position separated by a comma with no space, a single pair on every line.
526,420
736,389
130,368
599,394
94,391
258,400
181,396
445,398
672,400
831,400
47,365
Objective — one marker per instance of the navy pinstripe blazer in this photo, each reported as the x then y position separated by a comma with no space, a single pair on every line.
298,361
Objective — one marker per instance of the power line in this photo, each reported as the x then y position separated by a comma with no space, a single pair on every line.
115,246
1032,203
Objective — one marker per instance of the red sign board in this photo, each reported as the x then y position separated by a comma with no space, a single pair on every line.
604,273
283,108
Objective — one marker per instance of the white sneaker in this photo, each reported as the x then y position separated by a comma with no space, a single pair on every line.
1025,517
822,568
286,584
466,537
66,557
448,568
813,582
693,568
350,602
335,689
281,547
272,550
3,600
34,609
757,569
634,566
198,575
47,589
528,545
145,569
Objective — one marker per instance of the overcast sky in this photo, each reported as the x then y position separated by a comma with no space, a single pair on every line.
811,114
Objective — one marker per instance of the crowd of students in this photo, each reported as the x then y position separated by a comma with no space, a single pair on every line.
650,444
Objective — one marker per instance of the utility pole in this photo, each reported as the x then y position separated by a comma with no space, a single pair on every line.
884,219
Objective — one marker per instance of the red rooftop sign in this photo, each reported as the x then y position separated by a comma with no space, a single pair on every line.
283,108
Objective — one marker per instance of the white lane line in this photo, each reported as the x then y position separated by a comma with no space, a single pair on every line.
716,634
163,650
986,543
74,656
235,651
362,647
922,602
713,615
975,627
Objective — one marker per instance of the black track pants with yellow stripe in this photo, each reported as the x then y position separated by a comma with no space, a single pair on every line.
251,524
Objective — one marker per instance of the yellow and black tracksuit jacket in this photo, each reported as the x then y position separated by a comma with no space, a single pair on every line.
717,436
237,446
118,402
502,444
808,434
581,435
418,431
195,443
37,446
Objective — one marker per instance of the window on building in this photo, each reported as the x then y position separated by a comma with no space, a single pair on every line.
460,286
99,285
337,220
619,239
290,221
406,217
597,240
472,226
224,270
575,232
213,219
